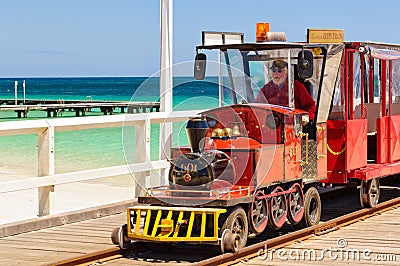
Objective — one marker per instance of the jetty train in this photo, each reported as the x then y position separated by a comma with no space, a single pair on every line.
252,166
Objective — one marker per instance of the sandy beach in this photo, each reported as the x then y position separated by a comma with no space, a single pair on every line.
22,205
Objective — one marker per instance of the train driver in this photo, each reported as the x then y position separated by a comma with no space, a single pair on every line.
276,91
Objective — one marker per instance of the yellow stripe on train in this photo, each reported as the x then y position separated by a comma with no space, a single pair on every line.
173,224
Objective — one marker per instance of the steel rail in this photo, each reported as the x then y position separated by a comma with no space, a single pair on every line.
252,251
115,251
284,240
91,257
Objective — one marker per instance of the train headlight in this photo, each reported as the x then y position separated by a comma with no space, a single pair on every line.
222,132
227,132
218,132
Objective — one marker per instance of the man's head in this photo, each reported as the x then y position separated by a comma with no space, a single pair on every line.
279,72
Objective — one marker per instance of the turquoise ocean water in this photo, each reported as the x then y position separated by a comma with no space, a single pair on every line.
95,148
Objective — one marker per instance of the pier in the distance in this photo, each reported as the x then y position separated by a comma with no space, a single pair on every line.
56,107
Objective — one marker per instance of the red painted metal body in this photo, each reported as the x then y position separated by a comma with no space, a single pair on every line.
359,141
262,155
260,162
365,143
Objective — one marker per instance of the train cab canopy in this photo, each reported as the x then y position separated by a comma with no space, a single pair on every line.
244,68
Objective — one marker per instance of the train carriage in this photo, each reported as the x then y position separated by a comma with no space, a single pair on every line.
252,166
363,125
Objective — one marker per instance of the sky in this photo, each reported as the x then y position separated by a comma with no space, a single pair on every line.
70,38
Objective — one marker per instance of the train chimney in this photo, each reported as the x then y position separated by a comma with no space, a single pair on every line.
196,129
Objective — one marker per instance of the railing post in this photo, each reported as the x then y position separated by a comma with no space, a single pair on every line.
45,168
142,154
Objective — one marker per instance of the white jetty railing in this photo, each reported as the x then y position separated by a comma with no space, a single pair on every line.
45,129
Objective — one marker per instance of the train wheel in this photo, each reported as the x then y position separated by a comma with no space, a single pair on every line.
369,193
312,209
278,209
295,204
258,213
234,231
119,236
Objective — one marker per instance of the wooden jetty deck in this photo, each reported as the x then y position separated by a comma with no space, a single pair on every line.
47,246
373,241
370,241
46,240
56,107
378,234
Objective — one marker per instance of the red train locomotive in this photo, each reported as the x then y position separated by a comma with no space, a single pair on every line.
256,165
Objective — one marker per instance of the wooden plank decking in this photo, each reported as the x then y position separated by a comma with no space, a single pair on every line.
61,242
376,240
378,234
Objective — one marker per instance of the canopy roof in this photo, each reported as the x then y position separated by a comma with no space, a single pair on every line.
261,46
384,51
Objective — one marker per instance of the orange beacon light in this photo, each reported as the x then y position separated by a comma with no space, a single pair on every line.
261,32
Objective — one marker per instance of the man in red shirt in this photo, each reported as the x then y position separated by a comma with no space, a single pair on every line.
276,91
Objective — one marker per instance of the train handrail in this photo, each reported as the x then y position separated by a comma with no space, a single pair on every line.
323,155
301,135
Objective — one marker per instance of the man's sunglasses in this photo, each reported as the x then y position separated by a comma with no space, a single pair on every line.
279,70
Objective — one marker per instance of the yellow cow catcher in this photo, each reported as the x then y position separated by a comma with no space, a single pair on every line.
171,225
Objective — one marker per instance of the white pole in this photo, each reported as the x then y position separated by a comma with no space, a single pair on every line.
220,81
16,92
166,56
165,80
23,86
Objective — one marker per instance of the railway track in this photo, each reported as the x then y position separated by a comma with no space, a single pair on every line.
284,240
336,214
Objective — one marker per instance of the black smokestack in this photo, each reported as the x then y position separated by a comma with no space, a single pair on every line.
196,129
